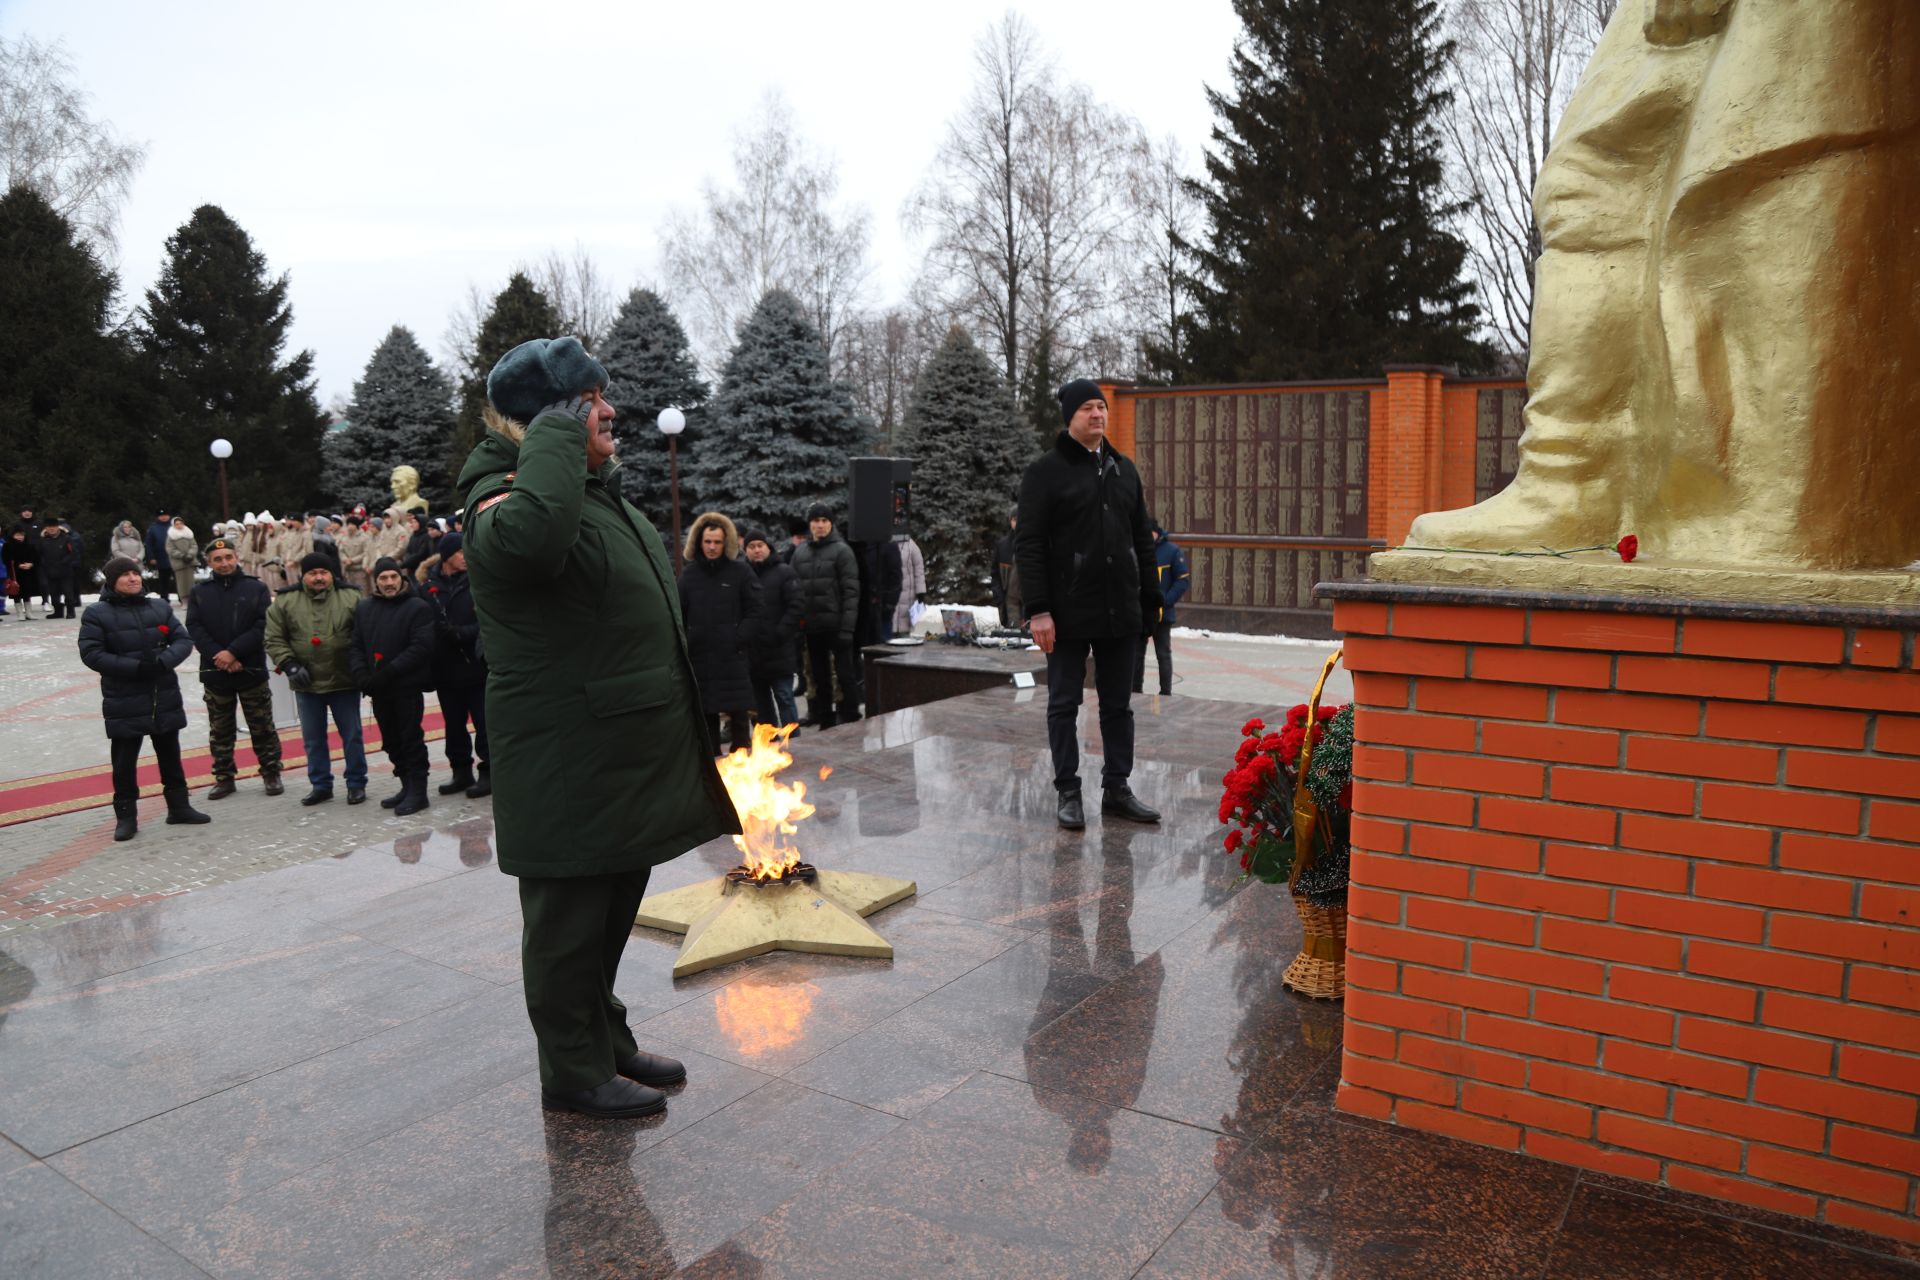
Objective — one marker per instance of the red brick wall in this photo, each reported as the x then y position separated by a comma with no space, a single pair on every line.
1642,894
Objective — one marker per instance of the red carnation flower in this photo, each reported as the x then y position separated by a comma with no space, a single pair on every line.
1628,547
379,656
165,630
1234,839
1246,860
315,642
1252,727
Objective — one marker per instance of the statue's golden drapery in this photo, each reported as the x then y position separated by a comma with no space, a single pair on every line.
1726,341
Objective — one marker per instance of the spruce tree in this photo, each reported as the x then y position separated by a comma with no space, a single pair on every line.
969,446
402,412
650,367
782,427
520,313
1327,251
77,431
211,336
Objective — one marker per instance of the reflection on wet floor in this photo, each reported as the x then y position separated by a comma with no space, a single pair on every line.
1079,1063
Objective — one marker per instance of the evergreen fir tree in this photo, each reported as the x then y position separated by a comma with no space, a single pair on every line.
402,412
969,446
649,367
782,428
77,431
1328,253
211,336
520,313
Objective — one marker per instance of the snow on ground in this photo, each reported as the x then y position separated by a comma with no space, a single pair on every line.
985,615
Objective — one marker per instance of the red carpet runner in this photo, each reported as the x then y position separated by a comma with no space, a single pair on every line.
52,793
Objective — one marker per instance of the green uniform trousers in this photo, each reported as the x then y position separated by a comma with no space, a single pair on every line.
573,931
257,704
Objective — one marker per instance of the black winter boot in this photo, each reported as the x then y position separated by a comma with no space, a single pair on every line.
462,779
414,798
394,800
180,812
128,813
482,785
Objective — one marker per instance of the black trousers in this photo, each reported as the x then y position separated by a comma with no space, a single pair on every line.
827,657
126,764
1066,688
1162,638
741,737
398,713
459,704
573,931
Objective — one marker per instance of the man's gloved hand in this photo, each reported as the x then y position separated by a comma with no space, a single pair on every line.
579,408
1151,610
298,676
378,679
149,666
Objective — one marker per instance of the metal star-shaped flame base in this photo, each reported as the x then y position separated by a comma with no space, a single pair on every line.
725,921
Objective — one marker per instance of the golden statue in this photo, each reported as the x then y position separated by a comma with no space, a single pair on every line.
1726,335
406,490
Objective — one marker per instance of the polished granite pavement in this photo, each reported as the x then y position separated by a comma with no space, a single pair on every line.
1080,1064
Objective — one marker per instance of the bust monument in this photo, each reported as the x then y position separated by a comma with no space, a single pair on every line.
1725,354
406,490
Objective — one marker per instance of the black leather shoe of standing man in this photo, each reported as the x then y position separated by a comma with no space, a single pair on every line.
1072,815
652,1069
1120,802
617,1099
316,796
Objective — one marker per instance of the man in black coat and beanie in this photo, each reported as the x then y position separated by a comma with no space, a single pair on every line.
57,569
392,661
771,659
460,670
829,578
1084,553
227,618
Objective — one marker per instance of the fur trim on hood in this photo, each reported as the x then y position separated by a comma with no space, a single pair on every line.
499,422
709,520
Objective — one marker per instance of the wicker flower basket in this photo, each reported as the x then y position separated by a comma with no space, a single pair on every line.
1320,970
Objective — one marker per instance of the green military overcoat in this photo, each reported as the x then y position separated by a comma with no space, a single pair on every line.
600,758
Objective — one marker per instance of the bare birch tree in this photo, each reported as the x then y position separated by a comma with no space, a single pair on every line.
1518,64
577,290
1165,218
777,228
49,143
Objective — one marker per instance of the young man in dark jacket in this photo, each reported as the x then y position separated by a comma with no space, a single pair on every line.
57,568
1084,554
227,618
459,671
392,660
1171,566
829,579
771,659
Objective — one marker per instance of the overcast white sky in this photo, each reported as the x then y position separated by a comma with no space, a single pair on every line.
386,154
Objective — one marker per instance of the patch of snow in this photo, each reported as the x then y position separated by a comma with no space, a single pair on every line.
1199,633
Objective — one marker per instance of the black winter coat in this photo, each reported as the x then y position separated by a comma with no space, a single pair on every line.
419,547
58,559
720,599
1084,548
456,659
116,632
230,612
24,552
829,586
780,616
393,643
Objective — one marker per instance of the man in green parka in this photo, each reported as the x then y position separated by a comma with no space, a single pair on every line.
602,768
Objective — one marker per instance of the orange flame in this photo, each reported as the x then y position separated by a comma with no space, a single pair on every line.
768,809
826,771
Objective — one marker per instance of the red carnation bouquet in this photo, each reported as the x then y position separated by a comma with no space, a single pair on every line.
1257,800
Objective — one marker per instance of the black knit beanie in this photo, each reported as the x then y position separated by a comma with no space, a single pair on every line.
385,563
752,534
316,560
1075,394
819,511
117,566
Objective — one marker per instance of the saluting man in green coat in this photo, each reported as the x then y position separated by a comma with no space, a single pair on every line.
602,768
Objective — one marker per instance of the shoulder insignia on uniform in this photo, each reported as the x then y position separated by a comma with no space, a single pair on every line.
495,500
511,475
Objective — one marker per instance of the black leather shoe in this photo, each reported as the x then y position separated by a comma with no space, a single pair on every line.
617,1099
482,786
652,1069
1072,815
222,789
316,796
1120,802
462,779
394,799
356,795
273,784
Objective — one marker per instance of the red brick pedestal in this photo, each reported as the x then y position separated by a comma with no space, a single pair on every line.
1636,886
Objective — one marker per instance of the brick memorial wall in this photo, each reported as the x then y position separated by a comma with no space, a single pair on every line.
1639,890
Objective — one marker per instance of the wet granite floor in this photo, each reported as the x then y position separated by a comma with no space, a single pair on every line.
1080,1064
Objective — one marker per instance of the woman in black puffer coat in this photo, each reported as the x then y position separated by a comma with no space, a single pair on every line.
134,641
720,600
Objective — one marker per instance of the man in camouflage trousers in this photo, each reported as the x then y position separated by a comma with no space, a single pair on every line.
227,618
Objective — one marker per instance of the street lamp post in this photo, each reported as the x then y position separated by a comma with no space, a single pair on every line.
222,449
671,423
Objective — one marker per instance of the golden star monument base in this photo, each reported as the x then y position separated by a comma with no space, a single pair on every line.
725,920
